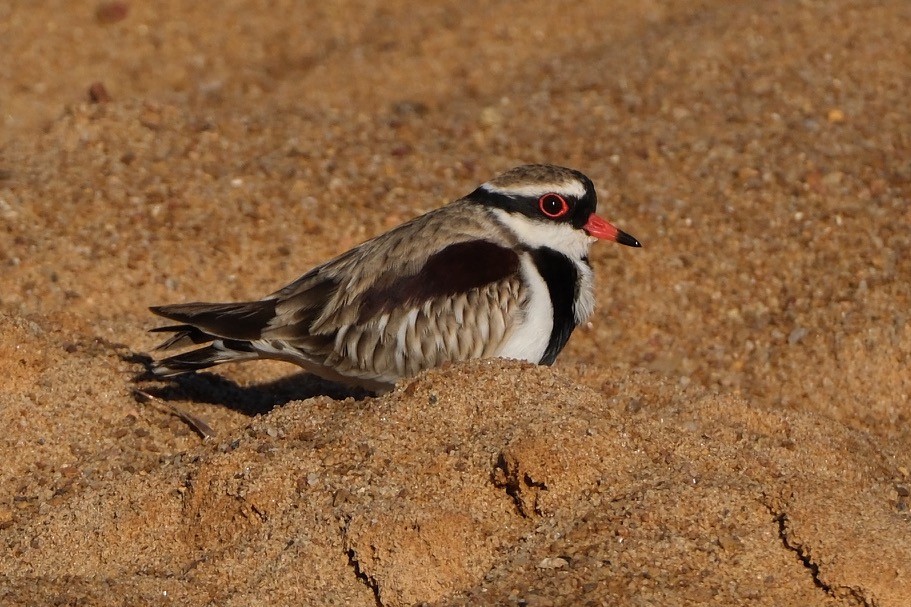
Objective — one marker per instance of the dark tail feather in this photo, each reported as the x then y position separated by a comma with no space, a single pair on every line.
244,321
184,335
220,351
229,326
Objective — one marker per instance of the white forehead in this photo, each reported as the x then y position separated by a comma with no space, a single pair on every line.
571,188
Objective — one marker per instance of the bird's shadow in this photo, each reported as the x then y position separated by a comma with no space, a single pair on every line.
250,400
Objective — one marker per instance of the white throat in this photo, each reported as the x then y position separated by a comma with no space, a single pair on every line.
563,238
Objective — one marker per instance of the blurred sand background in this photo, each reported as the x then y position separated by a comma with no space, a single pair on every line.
731,429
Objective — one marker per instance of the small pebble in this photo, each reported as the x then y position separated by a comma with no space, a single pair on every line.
835,116
111,12
98,94
797,334
556,562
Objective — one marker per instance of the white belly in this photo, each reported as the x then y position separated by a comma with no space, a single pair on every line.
529,338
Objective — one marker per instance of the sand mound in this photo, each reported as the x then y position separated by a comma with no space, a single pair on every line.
497,480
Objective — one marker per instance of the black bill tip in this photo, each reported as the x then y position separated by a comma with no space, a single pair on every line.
624,238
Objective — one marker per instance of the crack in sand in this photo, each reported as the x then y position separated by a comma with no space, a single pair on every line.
781,518
363,576
516,483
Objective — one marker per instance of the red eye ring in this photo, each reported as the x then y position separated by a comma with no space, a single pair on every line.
553,205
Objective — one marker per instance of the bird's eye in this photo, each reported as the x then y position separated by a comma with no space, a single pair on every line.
553,205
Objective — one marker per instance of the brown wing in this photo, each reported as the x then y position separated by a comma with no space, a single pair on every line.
393,269
404,341
385,323
459,268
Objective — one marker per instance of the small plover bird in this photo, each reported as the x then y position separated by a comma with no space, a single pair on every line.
500,273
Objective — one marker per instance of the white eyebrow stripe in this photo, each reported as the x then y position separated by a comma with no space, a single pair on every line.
572,189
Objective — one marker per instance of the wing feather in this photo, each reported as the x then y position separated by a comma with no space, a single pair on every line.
382,321
365,275
242,320
427,335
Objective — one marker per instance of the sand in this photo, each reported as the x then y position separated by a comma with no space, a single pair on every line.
731,428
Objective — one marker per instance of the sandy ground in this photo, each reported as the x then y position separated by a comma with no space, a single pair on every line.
731,429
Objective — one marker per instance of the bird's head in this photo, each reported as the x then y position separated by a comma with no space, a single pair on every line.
549,206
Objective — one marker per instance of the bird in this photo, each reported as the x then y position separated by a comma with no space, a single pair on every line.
503,272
